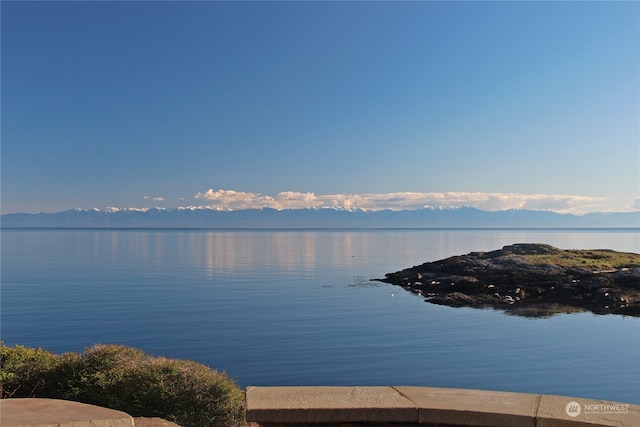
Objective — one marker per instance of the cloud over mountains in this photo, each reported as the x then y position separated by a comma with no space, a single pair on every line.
230,199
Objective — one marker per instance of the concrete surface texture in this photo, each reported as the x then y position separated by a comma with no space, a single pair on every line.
153,422
431,406
327,404
362,406
59,413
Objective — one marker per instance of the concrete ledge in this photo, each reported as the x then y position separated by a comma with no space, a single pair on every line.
335,406
472,407
558,411
59,413
309,405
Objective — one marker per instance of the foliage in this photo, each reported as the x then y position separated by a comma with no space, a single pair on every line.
127,379
23,370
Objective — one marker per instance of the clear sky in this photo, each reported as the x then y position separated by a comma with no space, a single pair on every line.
288,104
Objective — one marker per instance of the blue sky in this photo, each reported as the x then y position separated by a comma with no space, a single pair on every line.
288,104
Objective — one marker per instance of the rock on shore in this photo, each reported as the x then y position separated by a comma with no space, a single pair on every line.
530,279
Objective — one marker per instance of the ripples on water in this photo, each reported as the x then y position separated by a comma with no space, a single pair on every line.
298,308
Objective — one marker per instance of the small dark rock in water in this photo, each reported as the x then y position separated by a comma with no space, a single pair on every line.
530,279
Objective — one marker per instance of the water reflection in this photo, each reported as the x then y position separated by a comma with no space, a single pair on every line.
543,310
298,315
304,251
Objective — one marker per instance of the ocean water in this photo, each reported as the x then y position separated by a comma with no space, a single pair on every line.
298,307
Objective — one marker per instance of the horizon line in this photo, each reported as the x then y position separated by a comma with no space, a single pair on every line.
213,208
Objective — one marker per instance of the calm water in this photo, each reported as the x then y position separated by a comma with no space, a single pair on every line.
297,308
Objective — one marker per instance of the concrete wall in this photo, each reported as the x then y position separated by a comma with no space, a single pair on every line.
424,406
359,407
59,413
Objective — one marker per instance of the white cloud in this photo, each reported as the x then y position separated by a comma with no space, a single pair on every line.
155,199
293,199
230,199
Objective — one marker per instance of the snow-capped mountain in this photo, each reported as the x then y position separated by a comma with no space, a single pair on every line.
207,217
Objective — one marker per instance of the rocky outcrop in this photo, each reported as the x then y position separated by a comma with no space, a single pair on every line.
530,280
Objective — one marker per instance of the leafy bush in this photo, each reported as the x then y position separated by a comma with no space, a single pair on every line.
127,379
23,370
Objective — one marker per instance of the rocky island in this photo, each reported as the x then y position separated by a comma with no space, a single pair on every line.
530,279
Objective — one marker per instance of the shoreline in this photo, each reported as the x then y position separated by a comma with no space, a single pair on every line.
531,280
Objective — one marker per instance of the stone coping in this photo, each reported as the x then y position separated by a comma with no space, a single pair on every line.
361,405
427,405
59,413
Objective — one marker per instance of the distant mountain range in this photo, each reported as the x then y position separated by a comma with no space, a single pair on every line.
199,217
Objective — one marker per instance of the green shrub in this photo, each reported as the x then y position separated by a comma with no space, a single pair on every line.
127,379
23,371
97,375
